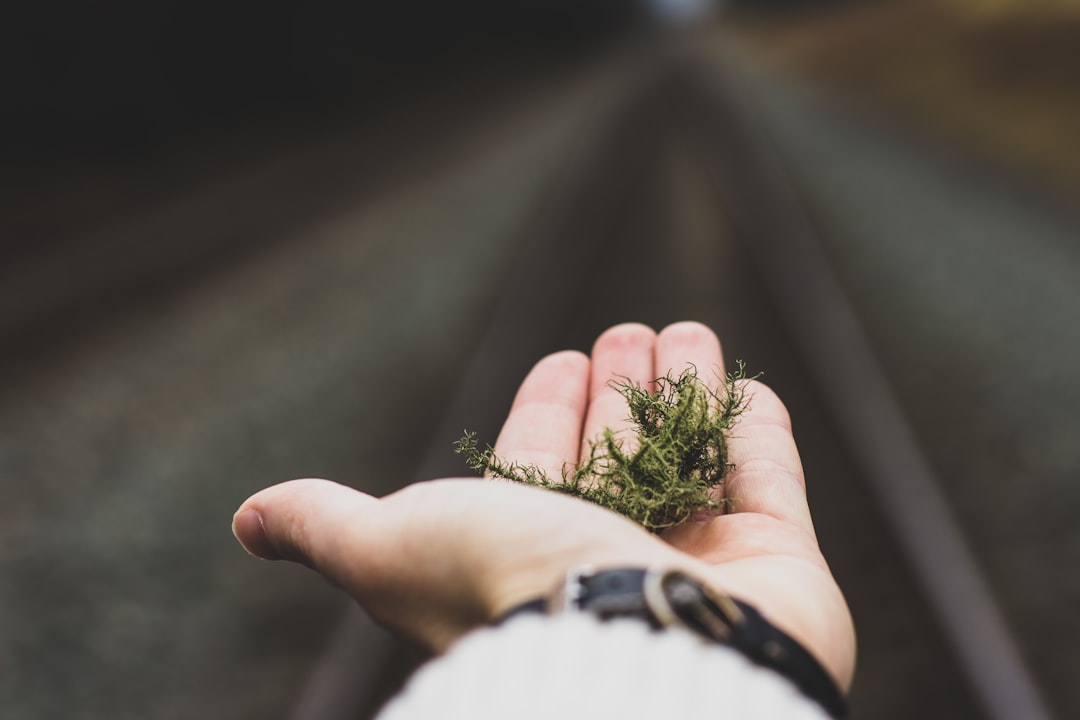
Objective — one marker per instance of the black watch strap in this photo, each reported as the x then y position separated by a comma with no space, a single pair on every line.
665,598
767,645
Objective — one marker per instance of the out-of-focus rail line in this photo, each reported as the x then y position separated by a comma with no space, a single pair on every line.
778,237
842,362
525,324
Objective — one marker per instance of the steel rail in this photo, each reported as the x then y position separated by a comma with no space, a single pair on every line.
345,683
780,237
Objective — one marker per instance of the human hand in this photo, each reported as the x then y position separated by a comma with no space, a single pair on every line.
439,558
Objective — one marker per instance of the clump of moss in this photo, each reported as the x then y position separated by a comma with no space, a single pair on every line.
667,475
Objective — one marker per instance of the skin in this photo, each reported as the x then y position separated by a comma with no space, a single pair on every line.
438,559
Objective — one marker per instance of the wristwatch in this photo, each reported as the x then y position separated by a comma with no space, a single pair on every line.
667,598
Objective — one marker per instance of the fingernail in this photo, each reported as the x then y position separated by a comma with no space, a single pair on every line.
247,526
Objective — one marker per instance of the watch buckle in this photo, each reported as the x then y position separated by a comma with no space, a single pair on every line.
714,614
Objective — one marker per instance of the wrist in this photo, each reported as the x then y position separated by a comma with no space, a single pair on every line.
670,599
534,577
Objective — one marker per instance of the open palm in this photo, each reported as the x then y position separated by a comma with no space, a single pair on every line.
439,558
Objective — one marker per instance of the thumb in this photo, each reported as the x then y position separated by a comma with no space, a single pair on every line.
368,547
308,521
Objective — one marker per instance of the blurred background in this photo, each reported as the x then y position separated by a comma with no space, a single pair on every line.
244,242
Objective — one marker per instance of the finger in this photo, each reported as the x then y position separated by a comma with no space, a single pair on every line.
689,345
378,554
544,424
768,476
623,353
314,522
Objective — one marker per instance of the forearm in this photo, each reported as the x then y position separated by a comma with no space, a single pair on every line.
573,666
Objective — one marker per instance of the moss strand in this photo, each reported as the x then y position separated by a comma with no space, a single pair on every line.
680,458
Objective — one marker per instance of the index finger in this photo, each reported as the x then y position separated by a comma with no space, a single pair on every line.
544,424
768,476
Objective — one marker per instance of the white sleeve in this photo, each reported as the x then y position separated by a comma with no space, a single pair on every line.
573,666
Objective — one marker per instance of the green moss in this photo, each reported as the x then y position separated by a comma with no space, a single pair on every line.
668,475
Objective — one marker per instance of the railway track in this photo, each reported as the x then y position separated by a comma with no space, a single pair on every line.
683,213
